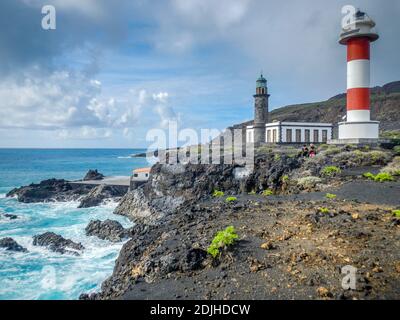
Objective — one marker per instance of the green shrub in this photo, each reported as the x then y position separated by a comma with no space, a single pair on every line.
308,182
359,158
252,192
369,175
393,167
221,240
395,134
380,177
396,213
396,150
277,157
377,156
285,178
231,199
268,193
383,177
330,196
324,210
330,171
218,194
323,147
332,151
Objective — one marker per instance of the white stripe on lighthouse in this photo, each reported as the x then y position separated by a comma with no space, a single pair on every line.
358,116
358,74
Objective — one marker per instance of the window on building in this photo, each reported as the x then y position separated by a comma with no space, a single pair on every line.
316,135
307,135
135,175
298,135
289,135
269,136
274,136
324,136
147,175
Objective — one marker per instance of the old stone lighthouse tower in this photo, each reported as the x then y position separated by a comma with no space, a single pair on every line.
260,110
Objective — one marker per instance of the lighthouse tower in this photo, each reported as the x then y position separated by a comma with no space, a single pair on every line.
357,36
260,110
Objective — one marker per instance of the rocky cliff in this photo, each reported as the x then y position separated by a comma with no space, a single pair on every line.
288,247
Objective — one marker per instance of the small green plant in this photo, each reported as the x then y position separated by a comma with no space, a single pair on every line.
252,192
330,196
330,171
383,177
285,178
396,150
369,175
324,210
218,194
380,177
221,240
267,193
277,157
396,213
231,199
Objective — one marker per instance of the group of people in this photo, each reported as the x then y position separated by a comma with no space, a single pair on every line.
308,152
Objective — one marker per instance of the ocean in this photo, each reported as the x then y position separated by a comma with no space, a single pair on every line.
40,273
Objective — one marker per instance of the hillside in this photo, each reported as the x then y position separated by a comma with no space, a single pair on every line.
385,107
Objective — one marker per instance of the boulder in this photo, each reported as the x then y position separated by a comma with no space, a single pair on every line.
96,196
107,230
93,175
57,243
10,216
49,190
11,245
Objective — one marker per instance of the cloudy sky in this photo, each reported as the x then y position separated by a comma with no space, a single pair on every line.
112,70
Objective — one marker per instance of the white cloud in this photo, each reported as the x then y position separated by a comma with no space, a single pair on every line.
73,105
85,133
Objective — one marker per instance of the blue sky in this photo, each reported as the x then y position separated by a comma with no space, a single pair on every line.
112,70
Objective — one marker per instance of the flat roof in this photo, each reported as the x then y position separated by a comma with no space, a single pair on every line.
142,170
302,124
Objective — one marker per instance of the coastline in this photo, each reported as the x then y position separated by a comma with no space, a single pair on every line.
285,243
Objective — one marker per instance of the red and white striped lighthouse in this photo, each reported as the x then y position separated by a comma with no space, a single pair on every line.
357,36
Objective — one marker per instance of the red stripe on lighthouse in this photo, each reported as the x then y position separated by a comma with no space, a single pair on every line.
358,48
358,99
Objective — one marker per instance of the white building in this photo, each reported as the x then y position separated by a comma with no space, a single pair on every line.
141,174
294,132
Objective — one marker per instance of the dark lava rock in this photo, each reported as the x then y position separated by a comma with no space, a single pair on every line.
100,193
57,243
10,216
11,245
49,190
194,259
107,230
93,175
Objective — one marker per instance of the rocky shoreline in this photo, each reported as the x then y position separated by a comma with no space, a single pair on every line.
298,221
60,190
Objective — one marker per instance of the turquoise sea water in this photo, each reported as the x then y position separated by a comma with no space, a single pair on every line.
40,273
